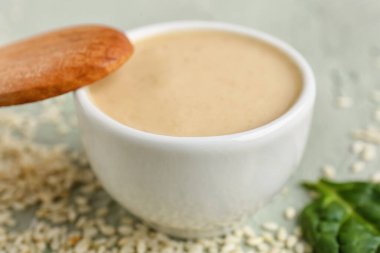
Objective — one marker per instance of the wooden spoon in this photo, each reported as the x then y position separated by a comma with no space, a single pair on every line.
59,61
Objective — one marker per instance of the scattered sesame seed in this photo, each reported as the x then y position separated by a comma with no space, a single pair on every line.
299,248
263,247
125,230
344,102
196,248
248,232
357,147
290,213
282,234
80,200
232,239
227,248
268,238
107,230
358,166
141,246
328,171
59,184
291,241
255,241
269,226
82,246
376,177
371,135
369,153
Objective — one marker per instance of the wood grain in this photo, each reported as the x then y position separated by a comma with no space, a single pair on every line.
60,61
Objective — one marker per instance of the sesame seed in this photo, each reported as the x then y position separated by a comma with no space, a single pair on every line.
167,250
282,234
73,240
328,171
238,233
270,226
106,229
82,246
357,147
291,241
268,238
358,166
262,247
376,177
90,232
290,213
248,232
125,230
369,153
255,241
299,248
371,135
232,239
196,248
343,102
141,246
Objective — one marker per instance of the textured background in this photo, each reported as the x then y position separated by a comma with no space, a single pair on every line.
340,38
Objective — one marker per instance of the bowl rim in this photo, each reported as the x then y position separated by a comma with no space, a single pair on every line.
306,97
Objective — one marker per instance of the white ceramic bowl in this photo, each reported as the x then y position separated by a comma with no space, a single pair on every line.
197,186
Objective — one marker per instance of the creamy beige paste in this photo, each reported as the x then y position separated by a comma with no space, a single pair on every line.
200,83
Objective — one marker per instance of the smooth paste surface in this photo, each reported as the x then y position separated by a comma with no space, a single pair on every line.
200,83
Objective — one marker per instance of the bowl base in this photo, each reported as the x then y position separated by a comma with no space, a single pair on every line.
192,234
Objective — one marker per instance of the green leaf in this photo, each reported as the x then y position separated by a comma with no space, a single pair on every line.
344,218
